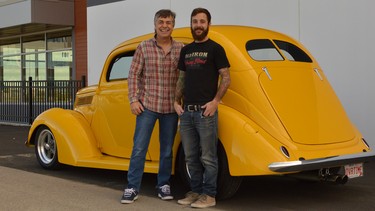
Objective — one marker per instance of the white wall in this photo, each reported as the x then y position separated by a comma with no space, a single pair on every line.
337,32
110,24
340,35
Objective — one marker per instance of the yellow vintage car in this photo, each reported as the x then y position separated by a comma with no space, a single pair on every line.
280,116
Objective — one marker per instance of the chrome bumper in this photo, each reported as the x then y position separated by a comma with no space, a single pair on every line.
314,164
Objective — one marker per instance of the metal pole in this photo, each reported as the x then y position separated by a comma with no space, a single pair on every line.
30,100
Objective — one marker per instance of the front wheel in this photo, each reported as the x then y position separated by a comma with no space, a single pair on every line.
227,185
46,148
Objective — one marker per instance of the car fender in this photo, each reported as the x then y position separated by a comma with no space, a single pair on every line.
72,133
248,147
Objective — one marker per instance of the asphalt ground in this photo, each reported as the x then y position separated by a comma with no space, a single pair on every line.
24,185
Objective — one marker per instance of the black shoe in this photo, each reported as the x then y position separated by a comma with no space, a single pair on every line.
129,196
164,192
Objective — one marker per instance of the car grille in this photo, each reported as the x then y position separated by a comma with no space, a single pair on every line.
84,100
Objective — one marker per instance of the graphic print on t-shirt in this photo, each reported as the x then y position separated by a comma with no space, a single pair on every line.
195,59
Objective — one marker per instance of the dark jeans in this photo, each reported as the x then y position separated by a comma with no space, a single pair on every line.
199,139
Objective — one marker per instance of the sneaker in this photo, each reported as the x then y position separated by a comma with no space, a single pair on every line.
204,201
129,196
164,192
190,197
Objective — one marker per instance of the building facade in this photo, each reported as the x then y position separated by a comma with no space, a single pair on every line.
45,40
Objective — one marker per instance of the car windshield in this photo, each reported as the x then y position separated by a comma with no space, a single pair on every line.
265,50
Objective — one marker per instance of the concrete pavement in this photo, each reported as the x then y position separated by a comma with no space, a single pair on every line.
20,190
25,185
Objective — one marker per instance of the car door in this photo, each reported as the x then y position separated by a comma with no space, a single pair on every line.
113,116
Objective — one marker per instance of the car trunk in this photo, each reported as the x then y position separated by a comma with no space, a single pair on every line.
306,104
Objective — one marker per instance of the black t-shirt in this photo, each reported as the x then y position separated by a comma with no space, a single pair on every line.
201,63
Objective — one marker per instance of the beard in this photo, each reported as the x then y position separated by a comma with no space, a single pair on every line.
199,37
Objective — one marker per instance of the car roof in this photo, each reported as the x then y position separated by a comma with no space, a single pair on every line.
232,32
231,37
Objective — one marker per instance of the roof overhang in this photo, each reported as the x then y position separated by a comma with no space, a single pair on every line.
30,16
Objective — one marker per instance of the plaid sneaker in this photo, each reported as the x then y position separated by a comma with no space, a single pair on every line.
164,192
204,201
129,196
190,197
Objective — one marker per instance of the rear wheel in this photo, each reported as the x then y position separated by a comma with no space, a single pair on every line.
46,148
227,185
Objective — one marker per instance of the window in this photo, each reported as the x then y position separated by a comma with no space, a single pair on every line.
292,52
119,69
11,66
59,65
10,46
34,66
33,43
59,40
263,50
44,56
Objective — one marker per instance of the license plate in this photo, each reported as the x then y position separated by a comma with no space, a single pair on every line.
354,170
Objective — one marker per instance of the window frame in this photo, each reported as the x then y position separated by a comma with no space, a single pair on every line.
129,57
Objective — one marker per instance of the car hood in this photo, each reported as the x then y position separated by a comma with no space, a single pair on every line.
88,89
306,104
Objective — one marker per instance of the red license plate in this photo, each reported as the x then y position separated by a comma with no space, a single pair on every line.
354,170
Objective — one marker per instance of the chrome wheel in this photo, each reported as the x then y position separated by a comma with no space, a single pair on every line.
46,148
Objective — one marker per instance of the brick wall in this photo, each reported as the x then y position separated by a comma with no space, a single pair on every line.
80,31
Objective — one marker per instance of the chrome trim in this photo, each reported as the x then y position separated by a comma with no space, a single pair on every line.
317,72
365,142
313,164
267,73
285,151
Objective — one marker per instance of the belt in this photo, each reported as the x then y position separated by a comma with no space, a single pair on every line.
192,108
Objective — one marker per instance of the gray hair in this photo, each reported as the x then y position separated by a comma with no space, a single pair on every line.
164,13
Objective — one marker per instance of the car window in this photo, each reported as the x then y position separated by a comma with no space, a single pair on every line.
292,52
263,50
120,66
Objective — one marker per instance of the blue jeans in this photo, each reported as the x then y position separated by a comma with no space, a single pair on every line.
199,139
144,126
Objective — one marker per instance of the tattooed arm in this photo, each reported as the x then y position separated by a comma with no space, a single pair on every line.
211,106
224,84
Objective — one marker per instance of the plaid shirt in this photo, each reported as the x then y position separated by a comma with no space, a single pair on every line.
153,76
